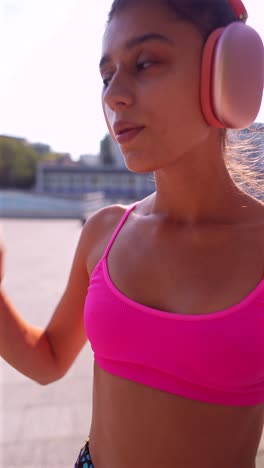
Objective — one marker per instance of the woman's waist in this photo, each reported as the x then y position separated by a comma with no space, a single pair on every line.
134,423
129,450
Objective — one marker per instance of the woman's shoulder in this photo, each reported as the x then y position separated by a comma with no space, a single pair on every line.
254,224
261,225
98,230
105,218
257,213
260,231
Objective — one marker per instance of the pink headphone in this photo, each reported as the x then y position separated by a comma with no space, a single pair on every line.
232,73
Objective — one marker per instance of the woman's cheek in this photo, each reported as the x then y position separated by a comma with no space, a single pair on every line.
107,119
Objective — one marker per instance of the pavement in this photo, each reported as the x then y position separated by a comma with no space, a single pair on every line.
42,426
45,426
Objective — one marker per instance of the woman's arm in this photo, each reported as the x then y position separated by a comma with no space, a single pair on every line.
44,355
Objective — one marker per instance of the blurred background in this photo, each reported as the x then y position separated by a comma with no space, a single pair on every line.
57,166
56,156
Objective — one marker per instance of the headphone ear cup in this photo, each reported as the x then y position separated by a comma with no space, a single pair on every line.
232,76
207,74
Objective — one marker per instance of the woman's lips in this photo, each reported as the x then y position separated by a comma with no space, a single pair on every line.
128,135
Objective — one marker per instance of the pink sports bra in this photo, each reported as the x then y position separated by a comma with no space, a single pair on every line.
216,358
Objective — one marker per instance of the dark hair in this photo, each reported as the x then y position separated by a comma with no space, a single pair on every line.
208,15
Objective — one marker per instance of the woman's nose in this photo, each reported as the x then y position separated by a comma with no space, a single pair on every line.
118,93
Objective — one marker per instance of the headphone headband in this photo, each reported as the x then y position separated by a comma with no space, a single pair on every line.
239,9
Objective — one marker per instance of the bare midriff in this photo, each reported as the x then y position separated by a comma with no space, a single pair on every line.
138,426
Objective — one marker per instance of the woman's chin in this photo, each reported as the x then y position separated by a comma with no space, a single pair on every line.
137,163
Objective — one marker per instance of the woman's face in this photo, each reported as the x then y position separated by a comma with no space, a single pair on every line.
151,71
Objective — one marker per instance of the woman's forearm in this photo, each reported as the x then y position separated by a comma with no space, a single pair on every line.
25,347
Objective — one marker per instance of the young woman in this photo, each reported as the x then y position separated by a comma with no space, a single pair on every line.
175,306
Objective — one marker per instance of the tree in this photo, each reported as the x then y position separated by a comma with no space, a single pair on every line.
18,162
41,149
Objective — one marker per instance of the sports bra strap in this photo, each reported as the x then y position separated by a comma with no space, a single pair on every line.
119,226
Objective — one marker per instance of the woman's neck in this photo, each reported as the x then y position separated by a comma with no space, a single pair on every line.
198,189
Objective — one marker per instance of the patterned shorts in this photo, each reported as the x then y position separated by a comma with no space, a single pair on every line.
84,459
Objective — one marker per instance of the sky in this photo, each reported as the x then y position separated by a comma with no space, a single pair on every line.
50,85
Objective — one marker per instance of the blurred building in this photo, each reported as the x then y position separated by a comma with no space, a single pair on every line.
76,180
105,173
110,153
90,160
118,158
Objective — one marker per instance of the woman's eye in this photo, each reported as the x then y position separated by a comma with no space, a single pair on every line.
106,82
140,66
144,65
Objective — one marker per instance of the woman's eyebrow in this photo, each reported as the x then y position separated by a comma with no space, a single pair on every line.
135,41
